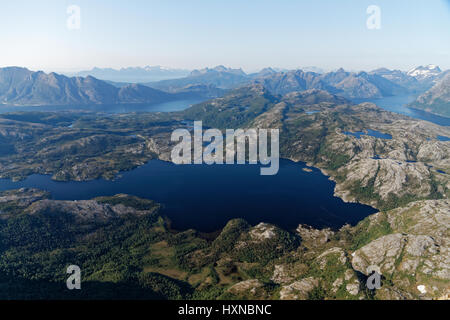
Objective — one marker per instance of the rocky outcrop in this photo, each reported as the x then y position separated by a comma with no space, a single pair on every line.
14,201
389,176
314,236
298,290
262,231
85,210
409,246
417,249
250,289
339,253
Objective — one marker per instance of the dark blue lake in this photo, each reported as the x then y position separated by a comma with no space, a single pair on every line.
206,197
371,133
443,138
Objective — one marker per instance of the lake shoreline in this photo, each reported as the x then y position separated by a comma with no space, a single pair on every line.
291,198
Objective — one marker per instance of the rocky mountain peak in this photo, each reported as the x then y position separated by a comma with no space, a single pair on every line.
422,72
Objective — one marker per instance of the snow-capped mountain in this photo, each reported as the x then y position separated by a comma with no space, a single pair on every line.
424,72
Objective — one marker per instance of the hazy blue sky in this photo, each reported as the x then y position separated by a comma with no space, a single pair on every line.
238,33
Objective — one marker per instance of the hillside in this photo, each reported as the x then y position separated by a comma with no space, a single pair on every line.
437,99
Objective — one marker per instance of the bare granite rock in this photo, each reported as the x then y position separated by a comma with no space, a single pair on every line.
281,275
298,290
87,210
312,235
417,252
262,231
252,289
382,252
353,288
20,199
337,252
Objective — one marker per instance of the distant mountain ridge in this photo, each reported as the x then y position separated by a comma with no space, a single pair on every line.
133,74
20,86
347,84
220,77
285,82
218,69
351,85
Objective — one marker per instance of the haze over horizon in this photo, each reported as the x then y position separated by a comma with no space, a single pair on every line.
251,35
76,72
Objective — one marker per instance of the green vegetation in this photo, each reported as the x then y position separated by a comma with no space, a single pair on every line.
129,256
366,232
233,111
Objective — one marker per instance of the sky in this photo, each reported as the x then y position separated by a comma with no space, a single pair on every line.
248,34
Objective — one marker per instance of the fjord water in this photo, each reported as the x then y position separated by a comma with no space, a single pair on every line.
170,106
399,104
206,197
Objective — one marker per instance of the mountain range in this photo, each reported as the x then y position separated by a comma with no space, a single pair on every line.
352,85
128,248
20,86
220,77
347,84
133,74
